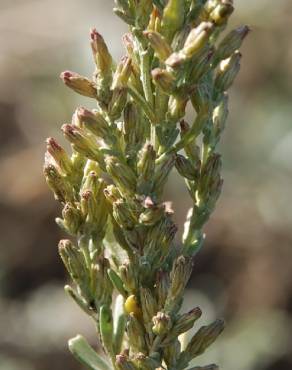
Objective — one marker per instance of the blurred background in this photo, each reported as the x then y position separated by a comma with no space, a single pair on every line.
244,272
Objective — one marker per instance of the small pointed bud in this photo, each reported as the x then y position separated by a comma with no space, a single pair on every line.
72,219
146,168
162,171
58,184
78,83
201,97
136,334
117,103
228,70
205,336
176,108
101,54
152,215
143,12
124,216
185,322
112,194
220,114
129,279
230,44
159,45
161,324
173,18
202,64
197,39
164,79
192,150
59,155
162,286
73,261
122,174
185,168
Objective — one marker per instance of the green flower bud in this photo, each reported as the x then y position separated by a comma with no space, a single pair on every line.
122,174
117,282
124,216
148,304
162,171
230,44
220,114
122,73
164,79
79,84
143,12
72,218
191,149
173,18
162,286
146,167
152,214
221,12
161,324
176,108
201,64
62,190
112,194
60,156
184,323
83,143
94,122
159,45
128,277
197,39
117,103
185,168
228,70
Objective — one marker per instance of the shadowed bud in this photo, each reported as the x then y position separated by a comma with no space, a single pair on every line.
162,172
230,44
146,164
228,70
149,305
78,83
162,287
185,322
136,334
161,324
159,45
176,108
164,79
112,193
94,122
185,168
220,114
59,155
222,12
129,279
202,64
152,214
124,216
205,336
122,174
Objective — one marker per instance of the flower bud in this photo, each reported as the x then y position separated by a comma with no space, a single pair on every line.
106,328
162,171
228,70
122,73
117,103
184,323
58,184
143,12
128,276
230,44
122,174
149,305
112,193
79,84
222,12
146,168
176,108
124,216
161,324
152,215
185,168
59,155
204,337
173,18
202,64
94,122
164,79
72,219
159,45
162,286
197,39
136,334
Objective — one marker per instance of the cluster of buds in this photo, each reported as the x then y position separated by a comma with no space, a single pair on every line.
111,187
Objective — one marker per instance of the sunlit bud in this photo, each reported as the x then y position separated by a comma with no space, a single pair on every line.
149,304
72,218
159,44
136,334
73,261
185,322
124,216
202,64
198,37
164,79
173,18
61,188
82,143
124,363
152,215
222,12
117,103
122,174
112,193
230,44
228,70
106,328
220,114
59,155
185,168
100,51
201,97
146,164
161,324
177,108
128,43
122,73
80,84
205,336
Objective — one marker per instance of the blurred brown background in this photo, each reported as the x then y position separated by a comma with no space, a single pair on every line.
244,272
